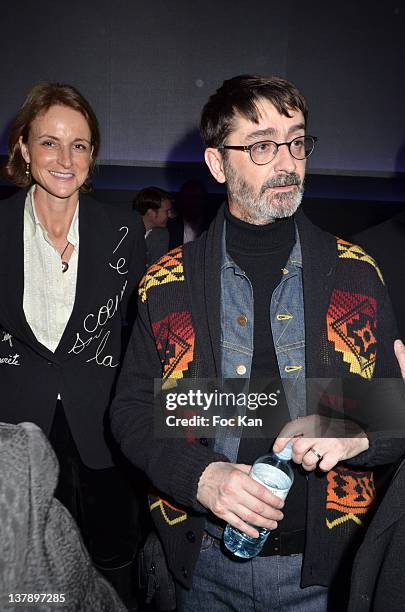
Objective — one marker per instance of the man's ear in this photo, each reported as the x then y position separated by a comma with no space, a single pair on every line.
215,163
150,214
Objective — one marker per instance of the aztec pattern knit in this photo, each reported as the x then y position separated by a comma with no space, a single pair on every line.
351,330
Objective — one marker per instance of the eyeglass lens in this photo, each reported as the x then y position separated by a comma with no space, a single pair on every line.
300,148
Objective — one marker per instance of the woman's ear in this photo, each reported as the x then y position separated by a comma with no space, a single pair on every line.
24,150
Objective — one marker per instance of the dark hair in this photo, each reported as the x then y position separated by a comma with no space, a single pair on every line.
38,101
240,95
150,197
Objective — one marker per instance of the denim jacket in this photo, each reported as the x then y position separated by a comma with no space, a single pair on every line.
287,325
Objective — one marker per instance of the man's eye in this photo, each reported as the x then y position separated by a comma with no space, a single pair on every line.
298,143
262,147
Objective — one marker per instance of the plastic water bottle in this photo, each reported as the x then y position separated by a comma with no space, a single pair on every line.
275,472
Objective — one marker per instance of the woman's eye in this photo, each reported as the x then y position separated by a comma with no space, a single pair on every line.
48,143
80,147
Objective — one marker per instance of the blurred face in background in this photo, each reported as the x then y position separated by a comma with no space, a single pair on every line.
158,218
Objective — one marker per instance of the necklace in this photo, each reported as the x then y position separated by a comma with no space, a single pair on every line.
65,265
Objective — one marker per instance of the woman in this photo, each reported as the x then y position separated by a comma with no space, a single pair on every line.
68,267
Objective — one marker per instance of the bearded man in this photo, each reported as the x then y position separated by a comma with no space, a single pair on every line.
263,294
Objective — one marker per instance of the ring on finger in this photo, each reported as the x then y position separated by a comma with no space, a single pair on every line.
318,455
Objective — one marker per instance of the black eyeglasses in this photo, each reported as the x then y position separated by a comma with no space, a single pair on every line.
265,151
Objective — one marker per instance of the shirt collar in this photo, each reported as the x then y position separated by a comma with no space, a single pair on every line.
73,233
29,212
34,223
295,258
226,260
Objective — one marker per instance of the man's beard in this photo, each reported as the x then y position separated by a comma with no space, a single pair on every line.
265,206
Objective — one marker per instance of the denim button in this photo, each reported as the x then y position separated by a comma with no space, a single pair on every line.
190,535
242,320
241,369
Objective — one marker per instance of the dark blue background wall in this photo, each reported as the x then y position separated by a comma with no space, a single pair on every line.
148,67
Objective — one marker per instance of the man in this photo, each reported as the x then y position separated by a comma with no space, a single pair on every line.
154,205
263,294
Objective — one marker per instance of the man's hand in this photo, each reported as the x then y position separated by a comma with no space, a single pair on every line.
228,491
322,442
399,350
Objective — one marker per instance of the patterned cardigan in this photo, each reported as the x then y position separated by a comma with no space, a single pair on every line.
349,332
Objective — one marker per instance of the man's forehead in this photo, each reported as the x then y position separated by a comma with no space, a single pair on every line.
269,121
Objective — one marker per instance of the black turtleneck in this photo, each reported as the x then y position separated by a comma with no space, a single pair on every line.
262,251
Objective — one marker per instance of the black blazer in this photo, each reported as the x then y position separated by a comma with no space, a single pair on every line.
378,578
85,365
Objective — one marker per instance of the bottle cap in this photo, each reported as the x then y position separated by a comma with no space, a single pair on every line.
286,453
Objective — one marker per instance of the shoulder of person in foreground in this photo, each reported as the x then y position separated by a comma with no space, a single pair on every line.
41,548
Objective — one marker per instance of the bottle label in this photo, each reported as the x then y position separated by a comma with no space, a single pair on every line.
272,478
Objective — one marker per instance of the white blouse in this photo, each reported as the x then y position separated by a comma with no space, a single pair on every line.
49,293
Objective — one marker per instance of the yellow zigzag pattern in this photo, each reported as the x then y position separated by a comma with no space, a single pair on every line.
347,250
160,503
343,519
168,269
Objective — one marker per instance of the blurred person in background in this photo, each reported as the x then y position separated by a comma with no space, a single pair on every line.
155,206
192,215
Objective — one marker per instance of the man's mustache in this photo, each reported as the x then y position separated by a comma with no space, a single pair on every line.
282,181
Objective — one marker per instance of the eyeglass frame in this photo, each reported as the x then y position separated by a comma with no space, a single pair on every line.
248,148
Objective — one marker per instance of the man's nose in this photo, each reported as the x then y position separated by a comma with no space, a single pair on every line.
284,161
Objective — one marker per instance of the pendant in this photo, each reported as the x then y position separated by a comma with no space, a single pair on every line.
65,266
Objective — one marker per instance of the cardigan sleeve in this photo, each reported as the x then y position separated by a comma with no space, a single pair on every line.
173,466
385,398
